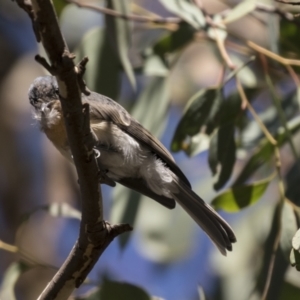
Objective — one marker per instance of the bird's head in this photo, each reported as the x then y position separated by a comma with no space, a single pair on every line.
44,97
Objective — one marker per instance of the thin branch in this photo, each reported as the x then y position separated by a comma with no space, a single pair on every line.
8,247
129,17
288,2
276,10
274,56
246,102
95,234
271,139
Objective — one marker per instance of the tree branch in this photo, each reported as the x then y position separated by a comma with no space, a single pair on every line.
95,234
129,17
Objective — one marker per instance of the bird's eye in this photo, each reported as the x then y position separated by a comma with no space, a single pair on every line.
34,100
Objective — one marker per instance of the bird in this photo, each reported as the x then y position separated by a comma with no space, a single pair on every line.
129,154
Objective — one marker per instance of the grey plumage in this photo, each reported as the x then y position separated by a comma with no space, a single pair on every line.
130,155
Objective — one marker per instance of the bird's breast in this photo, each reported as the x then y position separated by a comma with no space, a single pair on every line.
57,134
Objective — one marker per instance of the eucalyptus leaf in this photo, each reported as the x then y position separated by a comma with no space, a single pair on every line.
296,241
237,198
200,108
295,252
102,73
154,66
10,277
112,290
119,31
186,10
288,227
295,259
152,105
242,9
222,151
264,152
174,41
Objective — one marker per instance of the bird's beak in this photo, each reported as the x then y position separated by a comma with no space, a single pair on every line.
45,108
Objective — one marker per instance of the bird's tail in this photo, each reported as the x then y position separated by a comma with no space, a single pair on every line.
206,217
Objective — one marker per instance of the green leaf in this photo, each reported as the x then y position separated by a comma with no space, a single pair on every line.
152,105
242,9
265,151
154,65
237,198
10,278
200,109
295,259
296,241
188,11
112,290
119,32
129,214
268,258
102,73
288,227
295,252
175,40
222,153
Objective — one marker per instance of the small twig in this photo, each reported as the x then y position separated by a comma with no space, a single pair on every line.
8,247
129,17
271,265
293,75
276,10
288,2
246,102
274,143
80,69
223,52
278,106
43,62
274,56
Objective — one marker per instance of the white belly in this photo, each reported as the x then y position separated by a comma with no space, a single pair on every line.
122,156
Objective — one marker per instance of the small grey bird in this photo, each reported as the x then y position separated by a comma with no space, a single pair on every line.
130,155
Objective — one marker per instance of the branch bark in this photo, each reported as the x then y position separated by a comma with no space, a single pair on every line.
95,234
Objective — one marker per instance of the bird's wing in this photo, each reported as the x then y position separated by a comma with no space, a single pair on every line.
102,107
139,185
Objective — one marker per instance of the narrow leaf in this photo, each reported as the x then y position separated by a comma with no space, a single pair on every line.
102,73
295,252
198,111
120,36
10,278
225,150
296,241
152,105
288,227
112,290
237,198
265,151
174,41
188,11
242,9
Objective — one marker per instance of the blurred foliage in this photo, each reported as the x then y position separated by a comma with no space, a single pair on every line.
215,120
